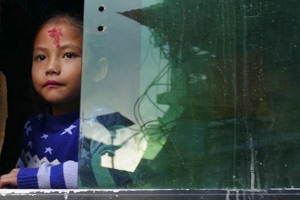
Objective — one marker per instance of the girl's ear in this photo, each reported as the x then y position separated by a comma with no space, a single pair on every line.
101,73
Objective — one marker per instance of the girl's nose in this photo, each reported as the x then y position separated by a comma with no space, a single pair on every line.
52,69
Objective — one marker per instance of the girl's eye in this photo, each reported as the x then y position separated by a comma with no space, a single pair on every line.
69,55
39,58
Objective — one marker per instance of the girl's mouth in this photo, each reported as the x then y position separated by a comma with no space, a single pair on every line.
52,83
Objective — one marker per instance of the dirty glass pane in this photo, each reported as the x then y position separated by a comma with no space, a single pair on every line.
190,94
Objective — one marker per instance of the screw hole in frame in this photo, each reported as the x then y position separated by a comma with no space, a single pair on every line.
101,28
101,8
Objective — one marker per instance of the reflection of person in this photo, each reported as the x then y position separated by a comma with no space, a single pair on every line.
100,138
106,136
50,139
109,149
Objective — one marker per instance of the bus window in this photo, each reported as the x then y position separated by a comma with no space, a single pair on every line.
190,94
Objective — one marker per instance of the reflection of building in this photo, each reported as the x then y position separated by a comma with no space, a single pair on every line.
224,72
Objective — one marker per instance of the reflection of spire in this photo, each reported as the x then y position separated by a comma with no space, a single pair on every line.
149,16
133,14
174,24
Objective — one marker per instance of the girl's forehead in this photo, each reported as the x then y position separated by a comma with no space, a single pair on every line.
58,32
58,29
55,25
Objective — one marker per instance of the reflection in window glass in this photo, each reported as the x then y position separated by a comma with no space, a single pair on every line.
190,94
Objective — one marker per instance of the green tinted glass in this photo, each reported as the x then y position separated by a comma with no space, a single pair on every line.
190,94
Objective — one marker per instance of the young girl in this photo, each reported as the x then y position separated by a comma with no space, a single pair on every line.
49,157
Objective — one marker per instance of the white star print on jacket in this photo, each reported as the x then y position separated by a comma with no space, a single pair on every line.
68,130
49,157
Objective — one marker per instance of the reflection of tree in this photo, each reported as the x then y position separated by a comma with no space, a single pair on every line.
235,69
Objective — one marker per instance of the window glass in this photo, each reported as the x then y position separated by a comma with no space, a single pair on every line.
190,94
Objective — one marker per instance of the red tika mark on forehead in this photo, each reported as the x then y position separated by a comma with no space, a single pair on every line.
55,33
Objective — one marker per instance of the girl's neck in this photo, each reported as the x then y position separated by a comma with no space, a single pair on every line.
64,109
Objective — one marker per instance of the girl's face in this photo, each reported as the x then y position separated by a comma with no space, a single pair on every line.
56,66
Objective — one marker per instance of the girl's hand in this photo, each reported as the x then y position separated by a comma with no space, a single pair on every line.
9,180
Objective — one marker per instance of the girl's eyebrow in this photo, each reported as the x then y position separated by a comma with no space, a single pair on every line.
70,46
39,48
